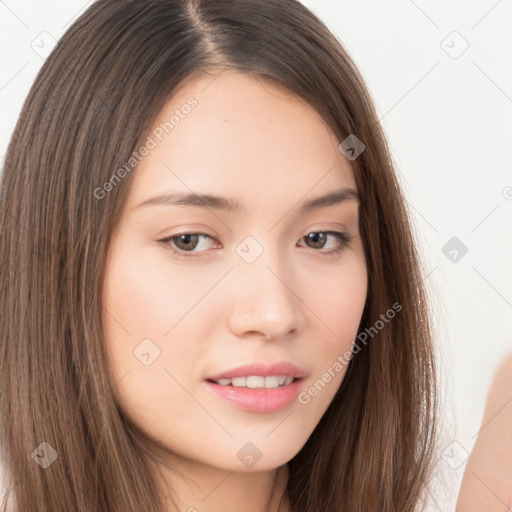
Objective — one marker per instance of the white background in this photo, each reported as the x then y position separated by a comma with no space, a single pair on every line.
447,114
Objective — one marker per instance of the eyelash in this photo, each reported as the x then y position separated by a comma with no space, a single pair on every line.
344,240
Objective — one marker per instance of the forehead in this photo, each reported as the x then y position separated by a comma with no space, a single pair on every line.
243,136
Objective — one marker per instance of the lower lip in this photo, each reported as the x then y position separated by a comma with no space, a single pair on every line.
258,399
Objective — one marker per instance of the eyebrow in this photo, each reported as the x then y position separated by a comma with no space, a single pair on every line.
232,205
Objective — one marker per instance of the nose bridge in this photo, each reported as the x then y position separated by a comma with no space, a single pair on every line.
265,301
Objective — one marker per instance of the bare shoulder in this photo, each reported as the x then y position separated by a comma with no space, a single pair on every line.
487,480
7,502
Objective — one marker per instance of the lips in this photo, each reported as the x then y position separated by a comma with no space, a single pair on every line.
279,368
255,398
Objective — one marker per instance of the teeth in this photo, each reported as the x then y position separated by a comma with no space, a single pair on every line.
257,381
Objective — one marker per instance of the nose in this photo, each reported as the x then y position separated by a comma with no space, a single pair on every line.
265,298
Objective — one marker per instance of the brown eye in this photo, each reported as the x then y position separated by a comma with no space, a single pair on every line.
186,242
185,245
318,239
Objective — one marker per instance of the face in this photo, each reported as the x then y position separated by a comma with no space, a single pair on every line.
193,291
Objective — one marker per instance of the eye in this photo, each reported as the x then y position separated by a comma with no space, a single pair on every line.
185,245
319,238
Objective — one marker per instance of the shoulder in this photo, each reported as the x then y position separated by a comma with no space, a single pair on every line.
487,480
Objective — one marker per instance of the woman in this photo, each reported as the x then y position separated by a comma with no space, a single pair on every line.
198,203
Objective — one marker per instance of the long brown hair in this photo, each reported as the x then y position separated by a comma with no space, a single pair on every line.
91,105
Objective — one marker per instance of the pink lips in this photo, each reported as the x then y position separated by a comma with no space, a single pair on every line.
260,400
265,370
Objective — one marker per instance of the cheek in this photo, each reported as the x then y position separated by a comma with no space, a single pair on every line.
144,302
342,307
157,308
141,305
148,295
339,302
339,306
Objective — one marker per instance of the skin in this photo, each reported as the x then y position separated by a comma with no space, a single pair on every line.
253,141
487,481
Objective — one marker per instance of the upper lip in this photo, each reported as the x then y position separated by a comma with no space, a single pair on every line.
284,368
